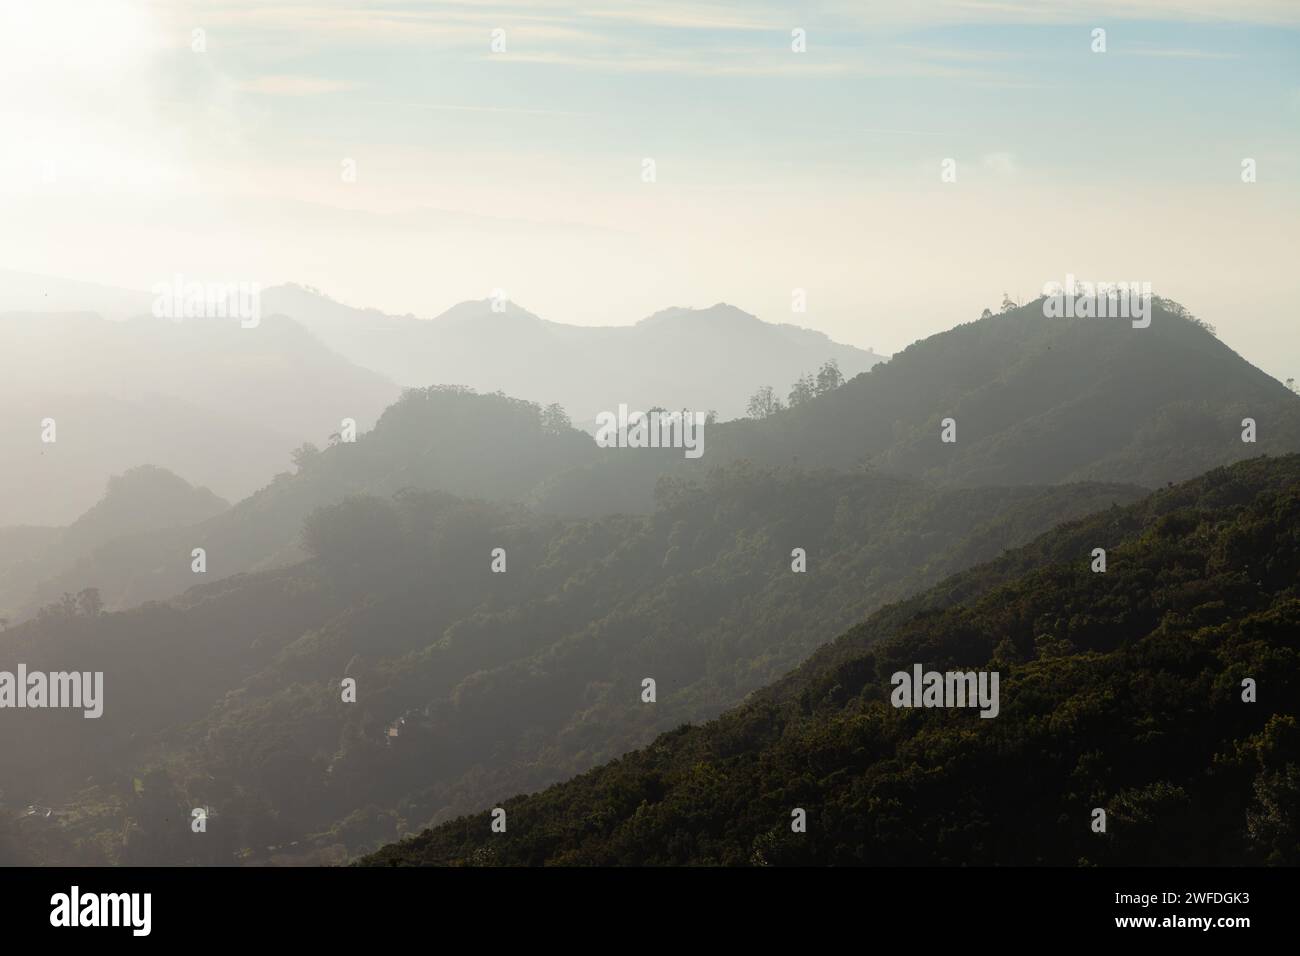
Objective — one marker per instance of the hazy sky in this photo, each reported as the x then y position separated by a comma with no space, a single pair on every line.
130,156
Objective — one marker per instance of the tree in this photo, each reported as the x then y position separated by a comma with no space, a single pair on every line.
361,535
829,377
304,455
1290,383
802,391
89,601
555,420
763,403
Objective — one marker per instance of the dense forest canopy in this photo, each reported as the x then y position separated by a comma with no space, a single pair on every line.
470,682
1121,691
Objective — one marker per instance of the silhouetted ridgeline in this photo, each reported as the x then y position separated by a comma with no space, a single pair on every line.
372,561
710,358
217,404
140,501
439,438
1035,400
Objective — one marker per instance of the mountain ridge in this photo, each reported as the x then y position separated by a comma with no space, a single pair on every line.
1188,769
582,368
1019,387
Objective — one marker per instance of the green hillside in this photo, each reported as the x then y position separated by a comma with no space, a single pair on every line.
442,438
1119,690
230,696
1035,401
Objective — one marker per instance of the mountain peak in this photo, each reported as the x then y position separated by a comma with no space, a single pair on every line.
476,310
717,313
162,497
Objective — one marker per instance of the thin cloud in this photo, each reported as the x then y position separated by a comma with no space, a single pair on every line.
692,17
878,13
748,62
1182,54
285,85
706,63
463,108
351,23
964,56
883,131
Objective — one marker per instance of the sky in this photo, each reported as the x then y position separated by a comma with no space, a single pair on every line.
387,154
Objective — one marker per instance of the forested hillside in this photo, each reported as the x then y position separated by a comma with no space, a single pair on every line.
1033,400
440,438
374,561
469,682
1121,691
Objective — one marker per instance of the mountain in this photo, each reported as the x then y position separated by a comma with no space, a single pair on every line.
139,501
99,435
371,561
142,499
1120,691
1033,401
469,683
29,292
712,358
204,398
441,438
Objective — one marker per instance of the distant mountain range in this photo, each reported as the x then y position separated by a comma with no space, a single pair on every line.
216,403
1031,399
713,358
436,439
35,560
370,560
1034,401
29,292
224,406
